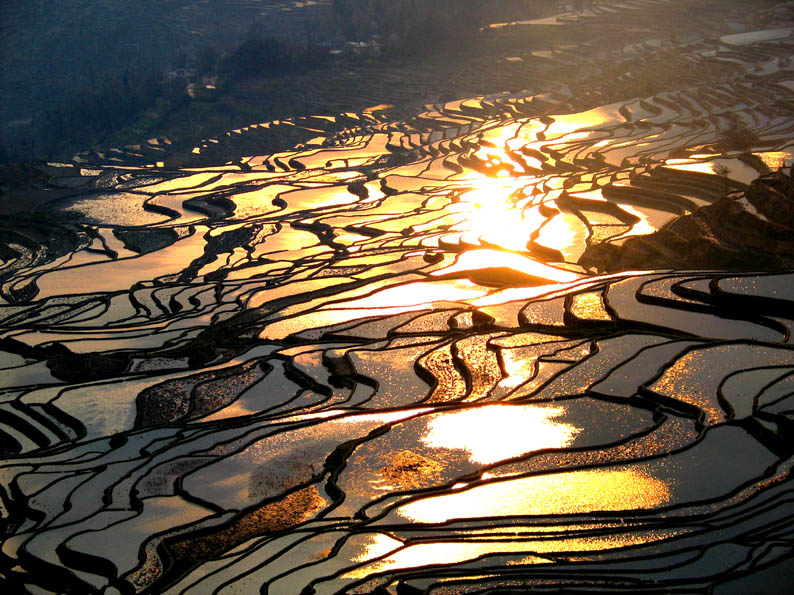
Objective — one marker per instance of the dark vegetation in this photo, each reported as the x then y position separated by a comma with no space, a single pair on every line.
95,109
130,104
91,111
737,136
714,236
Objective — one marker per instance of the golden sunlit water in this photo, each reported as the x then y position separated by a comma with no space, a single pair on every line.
504,342
479,431
573,492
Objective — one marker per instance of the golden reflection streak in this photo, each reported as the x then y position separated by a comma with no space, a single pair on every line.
452,551
414,294
571,492
643,227
518,368
280,329
473,260
441,552
735,169
379,545
704,167
560,234
589,306
598,543
491,211
483,431
571,125
776,159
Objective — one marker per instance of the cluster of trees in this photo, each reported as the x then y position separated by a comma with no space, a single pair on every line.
256,56
261,55
91,110
95,108
737,136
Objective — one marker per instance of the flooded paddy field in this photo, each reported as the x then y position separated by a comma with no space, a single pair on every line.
408,355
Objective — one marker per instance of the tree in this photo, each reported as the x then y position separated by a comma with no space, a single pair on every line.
722,171
257,57
207,60
737,136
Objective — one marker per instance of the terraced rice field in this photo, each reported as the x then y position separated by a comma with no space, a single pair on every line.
377,361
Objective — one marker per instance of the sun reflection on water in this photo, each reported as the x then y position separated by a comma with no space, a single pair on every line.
456,551
571,492
491,212
503,212
442,552
413,294
483,431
